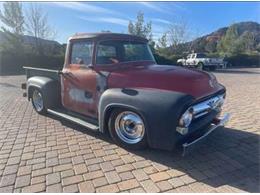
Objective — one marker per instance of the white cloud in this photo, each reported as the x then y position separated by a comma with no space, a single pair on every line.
84,7
112,20
152,6
161,21
168,8
179,6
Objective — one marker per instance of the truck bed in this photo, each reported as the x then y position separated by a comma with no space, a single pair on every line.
50,73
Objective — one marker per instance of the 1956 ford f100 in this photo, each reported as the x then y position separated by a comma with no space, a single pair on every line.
111,83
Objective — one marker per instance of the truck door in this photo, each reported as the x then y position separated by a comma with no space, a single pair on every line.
79,81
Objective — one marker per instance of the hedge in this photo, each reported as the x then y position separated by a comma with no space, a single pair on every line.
244,60
171,60
13,63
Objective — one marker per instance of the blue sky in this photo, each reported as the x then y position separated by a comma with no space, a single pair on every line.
202,17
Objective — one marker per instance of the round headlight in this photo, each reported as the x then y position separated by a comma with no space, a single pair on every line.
186,118
220,102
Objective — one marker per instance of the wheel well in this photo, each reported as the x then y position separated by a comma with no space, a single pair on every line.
200,63
106,119
30,90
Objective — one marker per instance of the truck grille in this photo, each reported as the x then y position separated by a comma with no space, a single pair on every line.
203,108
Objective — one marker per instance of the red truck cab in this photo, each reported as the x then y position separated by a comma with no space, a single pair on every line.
111,82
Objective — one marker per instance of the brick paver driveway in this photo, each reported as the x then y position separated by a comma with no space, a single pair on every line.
39,153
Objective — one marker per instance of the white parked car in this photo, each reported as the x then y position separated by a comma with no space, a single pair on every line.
201,61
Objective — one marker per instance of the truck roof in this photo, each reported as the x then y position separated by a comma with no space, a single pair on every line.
107,36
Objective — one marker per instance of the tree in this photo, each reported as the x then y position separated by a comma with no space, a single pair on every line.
211,46
230,43
248,41
140,28
37,25
161,45
131,28
12,18
178,34
162,42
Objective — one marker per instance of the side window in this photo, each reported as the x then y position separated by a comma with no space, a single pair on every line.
106,54
189,56
81,53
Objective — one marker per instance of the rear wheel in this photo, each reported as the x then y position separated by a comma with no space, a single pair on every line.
37,101
127,129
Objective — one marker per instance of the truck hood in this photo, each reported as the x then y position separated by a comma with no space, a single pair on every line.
163,77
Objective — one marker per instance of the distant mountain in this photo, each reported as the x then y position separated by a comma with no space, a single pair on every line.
209,42
30,40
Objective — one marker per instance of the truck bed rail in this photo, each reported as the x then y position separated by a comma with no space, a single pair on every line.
33,71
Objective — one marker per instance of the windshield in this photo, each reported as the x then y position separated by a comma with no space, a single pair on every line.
118,51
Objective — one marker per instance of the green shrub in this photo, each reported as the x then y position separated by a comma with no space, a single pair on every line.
11,63
162,60
244,60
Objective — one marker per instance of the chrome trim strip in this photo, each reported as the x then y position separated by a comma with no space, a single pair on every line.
223,121
73,119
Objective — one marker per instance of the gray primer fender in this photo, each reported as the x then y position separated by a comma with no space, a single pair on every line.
49,87
160,110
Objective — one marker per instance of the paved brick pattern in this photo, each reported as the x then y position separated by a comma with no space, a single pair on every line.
39,153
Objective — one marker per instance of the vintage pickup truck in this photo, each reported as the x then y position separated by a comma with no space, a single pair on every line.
111,83
201,61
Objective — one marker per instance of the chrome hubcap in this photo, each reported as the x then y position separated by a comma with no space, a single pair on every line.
129,127
37,100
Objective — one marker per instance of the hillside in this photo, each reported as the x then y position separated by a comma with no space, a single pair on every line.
209,42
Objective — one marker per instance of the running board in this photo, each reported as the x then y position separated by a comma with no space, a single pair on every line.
73,119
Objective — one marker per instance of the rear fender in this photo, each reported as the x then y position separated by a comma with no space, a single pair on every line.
50,89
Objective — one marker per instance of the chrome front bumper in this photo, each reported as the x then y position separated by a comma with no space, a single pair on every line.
222,122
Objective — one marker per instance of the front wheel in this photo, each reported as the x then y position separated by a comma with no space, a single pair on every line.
37,101
200,66
127,129
179,63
